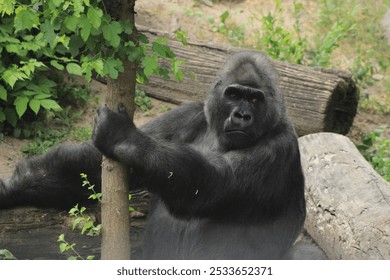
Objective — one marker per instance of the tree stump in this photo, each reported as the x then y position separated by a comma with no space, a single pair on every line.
348,203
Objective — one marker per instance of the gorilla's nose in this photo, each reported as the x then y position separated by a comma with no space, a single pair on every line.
242,117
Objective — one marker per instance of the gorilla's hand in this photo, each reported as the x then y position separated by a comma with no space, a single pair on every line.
112,130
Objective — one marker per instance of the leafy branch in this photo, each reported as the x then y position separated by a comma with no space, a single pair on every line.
77,36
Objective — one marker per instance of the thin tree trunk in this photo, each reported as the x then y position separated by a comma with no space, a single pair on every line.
115,204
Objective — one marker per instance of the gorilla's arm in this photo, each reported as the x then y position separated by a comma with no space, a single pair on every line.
172,169
181,124
53,179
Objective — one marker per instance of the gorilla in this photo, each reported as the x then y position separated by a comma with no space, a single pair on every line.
225,176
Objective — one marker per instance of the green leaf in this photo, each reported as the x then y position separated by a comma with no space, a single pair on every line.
35,105
61,238
74,69
11,116
49,104
86,226
7,7
3,93
57,3
64,40
176,69
63,247
85,31
71,22
56,65
162,50
224,16
85,28
21,105
94,16
181,36
127,27
150,65
111,33
41,96
76,222
2,117
135,54
48,31
25,18
78,6
11,75
7,255
75,44
112,67
15,48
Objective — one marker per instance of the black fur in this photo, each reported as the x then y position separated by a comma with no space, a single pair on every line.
226,175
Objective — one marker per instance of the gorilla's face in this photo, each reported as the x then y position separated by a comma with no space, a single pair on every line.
246,106
237,114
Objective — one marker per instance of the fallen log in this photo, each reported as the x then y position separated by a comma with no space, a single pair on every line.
317,99
348,203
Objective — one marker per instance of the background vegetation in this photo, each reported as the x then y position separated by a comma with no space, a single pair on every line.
36,102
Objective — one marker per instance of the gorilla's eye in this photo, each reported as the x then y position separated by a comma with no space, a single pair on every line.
232,94
255,100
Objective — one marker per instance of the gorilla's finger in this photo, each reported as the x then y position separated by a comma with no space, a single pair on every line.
122,109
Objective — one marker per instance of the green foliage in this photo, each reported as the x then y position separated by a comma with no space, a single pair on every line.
82,221
6,255
65,247
233,32
142,101
279,42
376,150
329,42
62,127
94,195
44,140
73,35
362,69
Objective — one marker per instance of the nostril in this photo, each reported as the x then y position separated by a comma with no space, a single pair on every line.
242,116
237,115
247,117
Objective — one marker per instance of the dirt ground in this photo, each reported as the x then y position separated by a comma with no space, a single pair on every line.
191,16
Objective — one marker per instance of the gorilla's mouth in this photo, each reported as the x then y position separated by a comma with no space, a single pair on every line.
238,133
239,139
239,136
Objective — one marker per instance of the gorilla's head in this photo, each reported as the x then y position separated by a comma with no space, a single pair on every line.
245,102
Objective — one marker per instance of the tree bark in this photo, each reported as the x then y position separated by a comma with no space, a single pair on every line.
348,203
115,203
317,99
